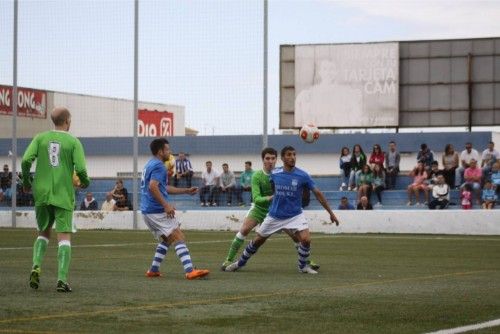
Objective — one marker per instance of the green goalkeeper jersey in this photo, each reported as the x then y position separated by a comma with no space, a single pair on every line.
261,189
58,155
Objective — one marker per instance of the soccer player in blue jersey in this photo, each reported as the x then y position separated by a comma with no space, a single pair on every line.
159,213
285,213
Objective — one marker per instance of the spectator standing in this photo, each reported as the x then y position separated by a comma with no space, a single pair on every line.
365,182
246,179
109,203
465,157
488,196
210,185
364,204
378,183
358,160
488,158
183,169
345,205
89,203
377,157
228,185
473,176
440,194
466,197
419,176
450,164
425,156
345,167
392,159
6,182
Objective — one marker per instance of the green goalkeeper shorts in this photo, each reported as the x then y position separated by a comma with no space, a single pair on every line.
46,215
257,214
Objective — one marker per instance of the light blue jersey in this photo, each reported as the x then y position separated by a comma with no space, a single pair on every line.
154,170
288,188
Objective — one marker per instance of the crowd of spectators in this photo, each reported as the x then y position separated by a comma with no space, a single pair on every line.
430,186
475,175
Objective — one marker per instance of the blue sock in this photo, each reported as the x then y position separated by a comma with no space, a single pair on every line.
183,254
161,251
304,253
250,250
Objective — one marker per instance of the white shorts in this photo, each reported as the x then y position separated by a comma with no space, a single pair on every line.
159,224
272,225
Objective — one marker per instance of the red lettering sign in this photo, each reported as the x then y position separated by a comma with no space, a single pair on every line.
30,102
153,123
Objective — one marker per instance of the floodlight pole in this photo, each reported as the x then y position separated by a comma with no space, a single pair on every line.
264,135
135,113
14,119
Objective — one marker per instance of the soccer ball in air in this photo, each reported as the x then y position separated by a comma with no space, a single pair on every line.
309,133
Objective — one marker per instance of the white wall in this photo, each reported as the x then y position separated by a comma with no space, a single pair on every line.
94,116
470,222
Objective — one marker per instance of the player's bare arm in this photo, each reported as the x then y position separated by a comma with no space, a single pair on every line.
175,190
155,191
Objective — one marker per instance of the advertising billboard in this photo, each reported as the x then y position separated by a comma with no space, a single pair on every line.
30,102
153,123
347,85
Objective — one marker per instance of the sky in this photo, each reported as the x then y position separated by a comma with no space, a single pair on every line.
208,55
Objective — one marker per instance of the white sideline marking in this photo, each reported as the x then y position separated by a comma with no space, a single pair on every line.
492,323
275,238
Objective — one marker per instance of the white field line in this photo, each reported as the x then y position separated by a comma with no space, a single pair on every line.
464,329
276,238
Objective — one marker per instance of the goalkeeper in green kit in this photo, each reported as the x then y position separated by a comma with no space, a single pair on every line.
58,156
262,195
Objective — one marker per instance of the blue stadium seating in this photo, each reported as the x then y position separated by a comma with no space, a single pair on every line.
391,199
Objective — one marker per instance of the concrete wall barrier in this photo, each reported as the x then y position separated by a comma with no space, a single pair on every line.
470,222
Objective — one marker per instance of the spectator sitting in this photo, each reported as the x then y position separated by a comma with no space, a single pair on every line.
358,160
378,182
119,192
495,176
377,157
364,204
89,203
488,158
450,164
466,197
392,159
209,184
433,173
465,157
24,198
170,166
489,196
440,193
228,185
365,182
124,205
6,182
345,205
109,203
472,176
184,169
419,176
425,156
345,167
246,178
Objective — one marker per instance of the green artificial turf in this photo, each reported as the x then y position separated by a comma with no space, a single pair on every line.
367,284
